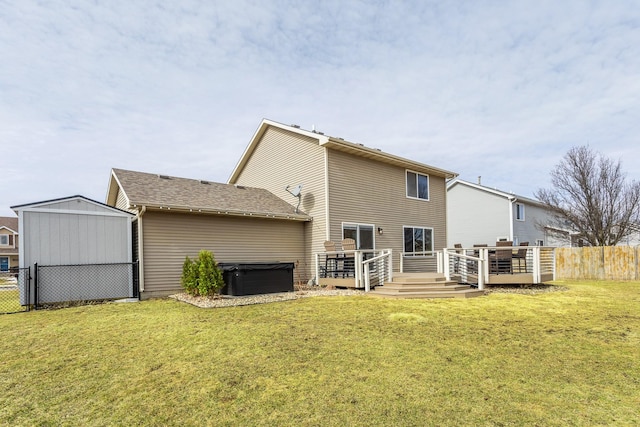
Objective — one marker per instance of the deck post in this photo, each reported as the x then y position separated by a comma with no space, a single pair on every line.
391,265
536,265
358,267
445,264
482,267
317,269
487,266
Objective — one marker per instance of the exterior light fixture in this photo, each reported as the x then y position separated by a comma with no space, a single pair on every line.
380,231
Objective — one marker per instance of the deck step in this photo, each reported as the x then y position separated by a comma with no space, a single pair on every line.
424,285
468,293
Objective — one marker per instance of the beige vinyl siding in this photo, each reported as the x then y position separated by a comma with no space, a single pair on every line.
122,202
169,237
284,158
364,191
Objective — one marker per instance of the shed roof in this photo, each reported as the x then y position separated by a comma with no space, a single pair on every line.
168,192
340,145
57,205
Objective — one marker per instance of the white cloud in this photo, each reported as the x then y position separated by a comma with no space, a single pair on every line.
490,88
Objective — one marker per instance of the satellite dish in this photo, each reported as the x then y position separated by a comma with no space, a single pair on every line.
295,191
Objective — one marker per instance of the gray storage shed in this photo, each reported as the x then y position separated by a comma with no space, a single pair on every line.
77,249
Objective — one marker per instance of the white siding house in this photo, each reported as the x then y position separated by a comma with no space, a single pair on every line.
481,215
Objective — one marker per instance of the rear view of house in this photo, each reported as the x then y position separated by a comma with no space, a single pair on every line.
351,191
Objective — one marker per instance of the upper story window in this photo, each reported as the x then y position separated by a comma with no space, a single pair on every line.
519,212
4,240
417,185
418,239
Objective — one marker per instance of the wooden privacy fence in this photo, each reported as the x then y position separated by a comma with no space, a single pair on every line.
598,263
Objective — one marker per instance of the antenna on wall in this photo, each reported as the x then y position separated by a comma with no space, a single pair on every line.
295,192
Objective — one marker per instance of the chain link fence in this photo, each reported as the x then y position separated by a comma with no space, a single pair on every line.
13,285
87,282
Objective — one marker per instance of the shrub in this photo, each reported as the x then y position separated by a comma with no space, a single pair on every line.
202,276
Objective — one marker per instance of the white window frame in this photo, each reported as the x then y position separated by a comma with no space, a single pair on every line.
357,225
4,240
406,183
519,207
431,230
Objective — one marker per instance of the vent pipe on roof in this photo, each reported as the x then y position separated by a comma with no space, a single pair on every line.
479,179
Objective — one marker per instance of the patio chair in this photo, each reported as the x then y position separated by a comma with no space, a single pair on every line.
331,259
348,259
521,255
501,261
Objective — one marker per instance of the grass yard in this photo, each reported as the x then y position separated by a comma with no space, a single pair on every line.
559,358
9,300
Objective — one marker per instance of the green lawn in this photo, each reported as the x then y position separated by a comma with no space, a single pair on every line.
560,358
9,300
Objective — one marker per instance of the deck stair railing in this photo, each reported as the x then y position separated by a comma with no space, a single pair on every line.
465,266
378,270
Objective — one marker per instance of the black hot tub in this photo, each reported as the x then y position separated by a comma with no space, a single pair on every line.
253,278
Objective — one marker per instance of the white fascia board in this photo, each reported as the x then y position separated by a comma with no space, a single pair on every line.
111,189
4,227
42,207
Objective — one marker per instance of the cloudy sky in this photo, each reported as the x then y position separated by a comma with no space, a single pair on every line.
500,89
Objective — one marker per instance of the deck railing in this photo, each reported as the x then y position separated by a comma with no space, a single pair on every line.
346,268
482,265
422,262
378,269
464,268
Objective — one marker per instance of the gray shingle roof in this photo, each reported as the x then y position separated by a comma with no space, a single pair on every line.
156,191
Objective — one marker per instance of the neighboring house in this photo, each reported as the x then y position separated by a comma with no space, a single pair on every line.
8,243
481,215
379,199
178,217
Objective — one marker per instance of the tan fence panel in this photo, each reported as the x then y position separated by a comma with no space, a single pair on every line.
598,263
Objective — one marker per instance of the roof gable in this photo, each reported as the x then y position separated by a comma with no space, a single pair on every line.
336,144
75,203
494,191
9,223
167,192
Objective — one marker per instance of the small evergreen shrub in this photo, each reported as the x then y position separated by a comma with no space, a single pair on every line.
201,277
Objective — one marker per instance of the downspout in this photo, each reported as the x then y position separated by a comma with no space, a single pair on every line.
512,201
326,195
140,250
